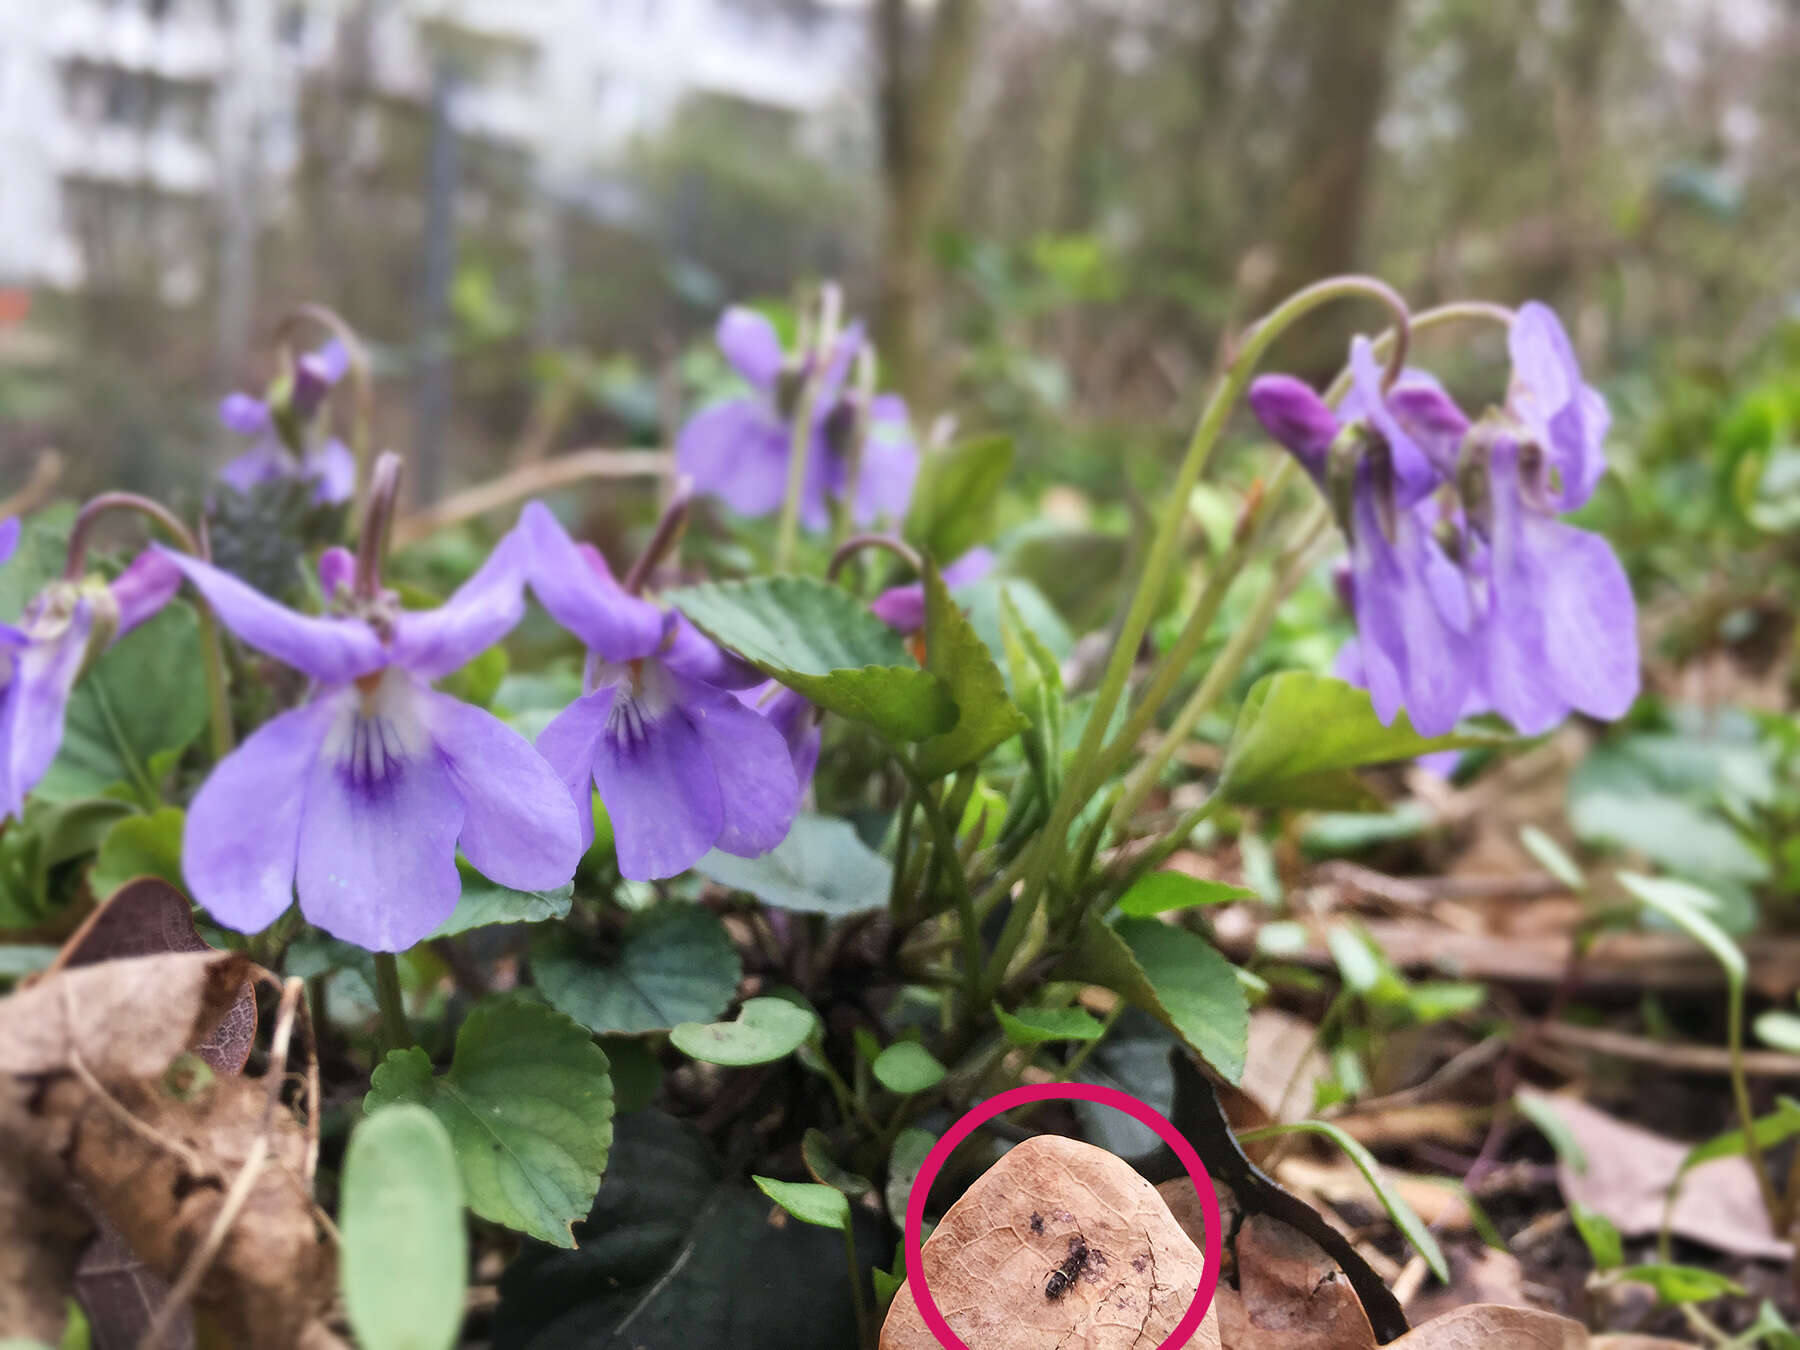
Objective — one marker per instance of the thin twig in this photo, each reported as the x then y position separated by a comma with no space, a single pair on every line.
201,1259
544,476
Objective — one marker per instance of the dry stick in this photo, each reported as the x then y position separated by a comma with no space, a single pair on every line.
45,471
1684,1058
202,1258
545,476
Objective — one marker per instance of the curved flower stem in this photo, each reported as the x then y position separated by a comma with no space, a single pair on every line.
1253,532
218,699
787,533
668,534
1223,671
395,1029
1161,555
378,510
856,543
362,413
843,510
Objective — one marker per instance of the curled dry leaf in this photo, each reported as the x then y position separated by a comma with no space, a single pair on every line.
44,1232
97,1014
1487,1326
992,1262
1290,1295
149,917
163,1176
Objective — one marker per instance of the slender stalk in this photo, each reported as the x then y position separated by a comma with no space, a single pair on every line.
843,510
218,699
395,1029
669,529
863,1338
856,543
1161,555
362,383
787,532
1740,1096
1174,664
1219,676
377,511
944,842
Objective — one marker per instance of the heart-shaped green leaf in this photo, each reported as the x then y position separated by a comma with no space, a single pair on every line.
765,1029
817,639
1163,891
808,1201
907,1067
528,1105
673,964
1027,1027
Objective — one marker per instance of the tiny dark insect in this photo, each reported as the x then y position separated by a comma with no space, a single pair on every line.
1037,1222
1064,1275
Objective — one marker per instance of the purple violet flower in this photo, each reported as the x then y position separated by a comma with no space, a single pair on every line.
43,655
359,798
902,608
1412,605
681,764
1469,594
795,718
1561,630
1557,409
330,467
737,450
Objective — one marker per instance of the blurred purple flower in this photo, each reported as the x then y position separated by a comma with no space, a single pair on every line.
359,798
45,652
902,608
681,764
330,467
738,449
1557,409
795,718
1412,604
1561,624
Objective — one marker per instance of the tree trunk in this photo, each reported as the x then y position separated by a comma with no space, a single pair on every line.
919,114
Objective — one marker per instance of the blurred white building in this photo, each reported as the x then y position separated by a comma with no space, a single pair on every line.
179,116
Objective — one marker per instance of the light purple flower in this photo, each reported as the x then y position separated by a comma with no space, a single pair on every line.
45,652
738,449
902,608
795,718
681,764
1561,625
1412,604
329,467
359,798
1557,409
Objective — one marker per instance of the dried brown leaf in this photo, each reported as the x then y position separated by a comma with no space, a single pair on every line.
1486,1326
44,1229
1627,1179
124,1019
990,1258
163,1178
149,917
1291,1295
1638,1343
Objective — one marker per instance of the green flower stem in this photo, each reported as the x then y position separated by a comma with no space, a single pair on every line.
944,844
1174,665
396,1030
863,1328
1740,1096
218,701
843,510
787,533
1222,672
1161,556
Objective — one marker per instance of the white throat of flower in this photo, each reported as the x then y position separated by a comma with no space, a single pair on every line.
379,725
644,693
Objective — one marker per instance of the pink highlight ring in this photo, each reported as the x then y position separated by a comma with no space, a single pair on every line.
1138,1110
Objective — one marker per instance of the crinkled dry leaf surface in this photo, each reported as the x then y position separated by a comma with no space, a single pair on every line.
1290,1295
98,1013
1485,1326
41,1233
1627,1179
991,1259
149,917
